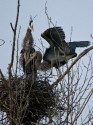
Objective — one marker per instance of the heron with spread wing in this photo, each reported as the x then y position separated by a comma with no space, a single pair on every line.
59,51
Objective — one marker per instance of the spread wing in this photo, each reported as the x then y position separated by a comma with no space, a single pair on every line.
56,38
75,44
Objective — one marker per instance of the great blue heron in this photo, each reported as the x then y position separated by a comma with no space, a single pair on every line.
59,51
27,51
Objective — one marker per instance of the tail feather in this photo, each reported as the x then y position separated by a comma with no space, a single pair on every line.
75,44
80,43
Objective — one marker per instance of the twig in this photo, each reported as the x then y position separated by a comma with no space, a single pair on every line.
14,37
83,105
12,27
71,33
2,76
17,51
12,57
48,18
2,41
75,61
91,36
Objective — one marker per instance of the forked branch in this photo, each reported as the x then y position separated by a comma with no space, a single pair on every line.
14,37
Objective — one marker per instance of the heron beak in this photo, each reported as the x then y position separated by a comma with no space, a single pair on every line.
32,56
31,28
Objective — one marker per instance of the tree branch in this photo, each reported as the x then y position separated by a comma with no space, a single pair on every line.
68,69
17,51
2,41
14,37
2,78
12,26
1,75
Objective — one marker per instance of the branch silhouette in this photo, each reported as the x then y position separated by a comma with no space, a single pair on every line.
2,41
68,69
14,38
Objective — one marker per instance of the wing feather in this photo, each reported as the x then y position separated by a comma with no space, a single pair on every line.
56,38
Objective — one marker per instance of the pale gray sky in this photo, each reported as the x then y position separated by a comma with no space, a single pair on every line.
66,13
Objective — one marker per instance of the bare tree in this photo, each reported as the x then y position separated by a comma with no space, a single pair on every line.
58,98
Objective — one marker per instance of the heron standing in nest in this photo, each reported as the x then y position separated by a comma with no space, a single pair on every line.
59,51
27,51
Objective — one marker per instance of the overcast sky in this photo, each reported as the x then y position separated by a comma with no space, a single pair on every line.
64,13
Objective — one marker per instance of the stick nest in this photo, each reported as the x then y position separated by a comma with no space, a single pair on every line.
26,100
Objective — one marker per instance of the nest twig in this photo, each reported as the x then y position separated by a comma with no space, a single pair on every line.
30,100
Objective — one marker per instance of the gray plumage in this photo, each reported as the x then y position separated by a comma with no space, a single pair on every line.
27,51
60,51
56,38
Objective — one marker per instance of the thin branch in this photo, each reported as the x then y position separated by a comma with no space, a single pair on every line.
71,33
14,37
2,76
91,36
12,26
48,18
83,105
2,41
17,51
75,61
